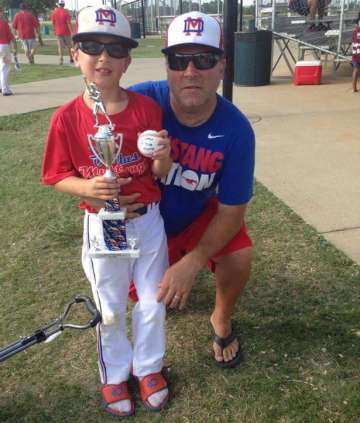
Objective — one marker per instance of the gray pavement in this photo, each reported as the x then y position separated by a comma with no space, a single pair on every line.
41,95
308,144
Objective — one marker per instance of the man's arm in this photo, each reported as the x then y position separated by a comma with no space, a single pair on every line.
180,277
15,27
68,23
38,32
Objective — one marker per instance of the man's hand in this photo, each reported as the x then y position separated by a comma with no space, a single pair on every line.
163,147
178,281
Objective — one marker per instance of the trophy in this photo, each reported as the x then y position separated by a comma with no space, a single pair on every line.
106,148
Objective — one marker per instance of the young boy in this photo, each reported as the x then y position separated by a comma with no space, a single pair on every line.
356,55
101,50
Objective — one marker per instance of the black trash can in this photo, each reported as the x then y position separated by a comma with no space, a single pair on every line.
252,62
135,30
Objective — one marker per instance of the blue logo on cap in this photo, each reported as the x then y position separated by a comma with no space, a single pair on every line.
105,15
193,25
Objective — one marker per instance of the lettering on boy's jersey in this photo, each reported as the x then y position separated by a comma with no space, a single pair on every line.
137,169
125,165
123,159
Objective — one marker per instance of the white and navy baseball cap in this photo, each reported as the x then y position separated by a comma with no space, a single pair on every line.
104,20
194,29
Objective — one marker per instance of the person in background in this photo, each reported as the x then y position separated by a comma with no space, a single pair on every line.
61,20
27,28
309,8
356,55
6,38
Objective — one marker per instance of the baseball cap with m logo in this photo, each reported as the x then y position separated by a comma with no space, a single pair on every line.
104,20
194,28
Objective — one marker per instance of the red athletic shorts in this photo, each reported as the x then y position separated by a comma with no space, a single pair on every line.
180,244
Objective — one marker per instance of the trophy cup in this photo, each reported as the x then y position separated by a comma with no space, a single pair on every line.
106,148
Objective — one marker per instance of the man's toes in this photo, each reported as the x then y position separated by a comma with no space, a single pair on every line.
230,351
218,353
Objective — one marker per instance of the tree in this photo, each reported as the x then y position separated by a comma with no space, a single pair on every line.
36,6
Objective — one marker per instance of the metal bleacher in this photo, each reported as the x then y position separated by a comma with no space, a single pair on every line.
293,38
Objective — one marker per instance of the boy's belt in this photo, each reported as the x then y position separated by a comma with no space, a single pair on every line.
143,210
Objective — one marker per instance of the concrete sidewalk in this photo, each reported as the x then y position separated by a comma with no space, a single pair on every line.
50,93
308,144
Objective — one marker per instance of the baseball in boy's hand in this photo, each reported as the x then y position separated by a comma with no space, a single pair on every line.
148,142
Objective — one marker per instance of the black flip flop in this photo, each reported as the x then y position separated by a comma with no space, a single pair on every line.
223,343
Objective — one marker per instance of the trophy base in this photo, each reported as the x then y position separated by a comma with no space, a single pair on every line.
112,215
128,253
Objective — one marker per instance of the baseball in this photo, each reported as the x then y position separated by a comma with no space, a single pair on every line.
148,142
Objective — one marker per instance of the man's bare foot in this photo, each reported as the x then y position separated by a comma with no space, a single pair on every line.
226,346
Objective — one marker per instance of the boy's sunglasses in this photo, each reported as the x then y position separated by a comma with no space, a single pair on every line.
202,61
94,48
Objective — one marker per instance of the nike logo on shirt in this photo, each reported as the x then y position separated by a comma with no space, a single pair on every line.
211,136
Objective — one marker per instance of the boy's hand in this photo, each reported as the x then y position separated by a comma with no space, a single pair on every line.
102,188
164,146
127,201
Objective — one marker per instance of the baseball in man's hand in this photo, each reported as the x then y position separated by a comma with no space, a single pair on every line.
148,142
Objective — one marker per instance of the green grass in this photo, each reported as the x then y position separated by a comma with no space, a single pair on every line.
31,73
299,316
149,47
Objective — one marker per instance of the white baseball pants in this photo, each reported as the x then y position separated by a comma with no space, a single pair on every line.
5,61
109,279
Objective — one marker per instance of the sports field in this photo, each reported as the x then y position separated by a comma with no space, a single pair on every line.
298,319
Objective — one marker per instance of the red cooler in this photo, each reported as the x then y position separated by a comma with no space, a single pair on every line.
308,72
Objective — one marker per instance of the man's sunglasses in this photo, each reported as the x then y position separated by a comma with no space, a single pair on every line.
202,61
94,48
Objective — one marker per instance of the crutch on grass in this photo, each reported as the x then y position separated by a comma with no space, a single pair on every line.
53,329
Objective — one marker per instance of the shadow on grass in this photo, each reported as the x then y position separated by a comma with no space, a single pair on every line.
53,405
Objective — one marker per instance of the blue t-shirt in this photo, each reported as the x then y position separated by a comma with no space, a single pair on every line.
213,159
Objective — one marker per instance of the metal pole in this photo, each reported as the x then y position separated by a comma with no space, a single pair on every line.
230,27
256,13
341,25
180,7
273,15
241,16
152,16
143,17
